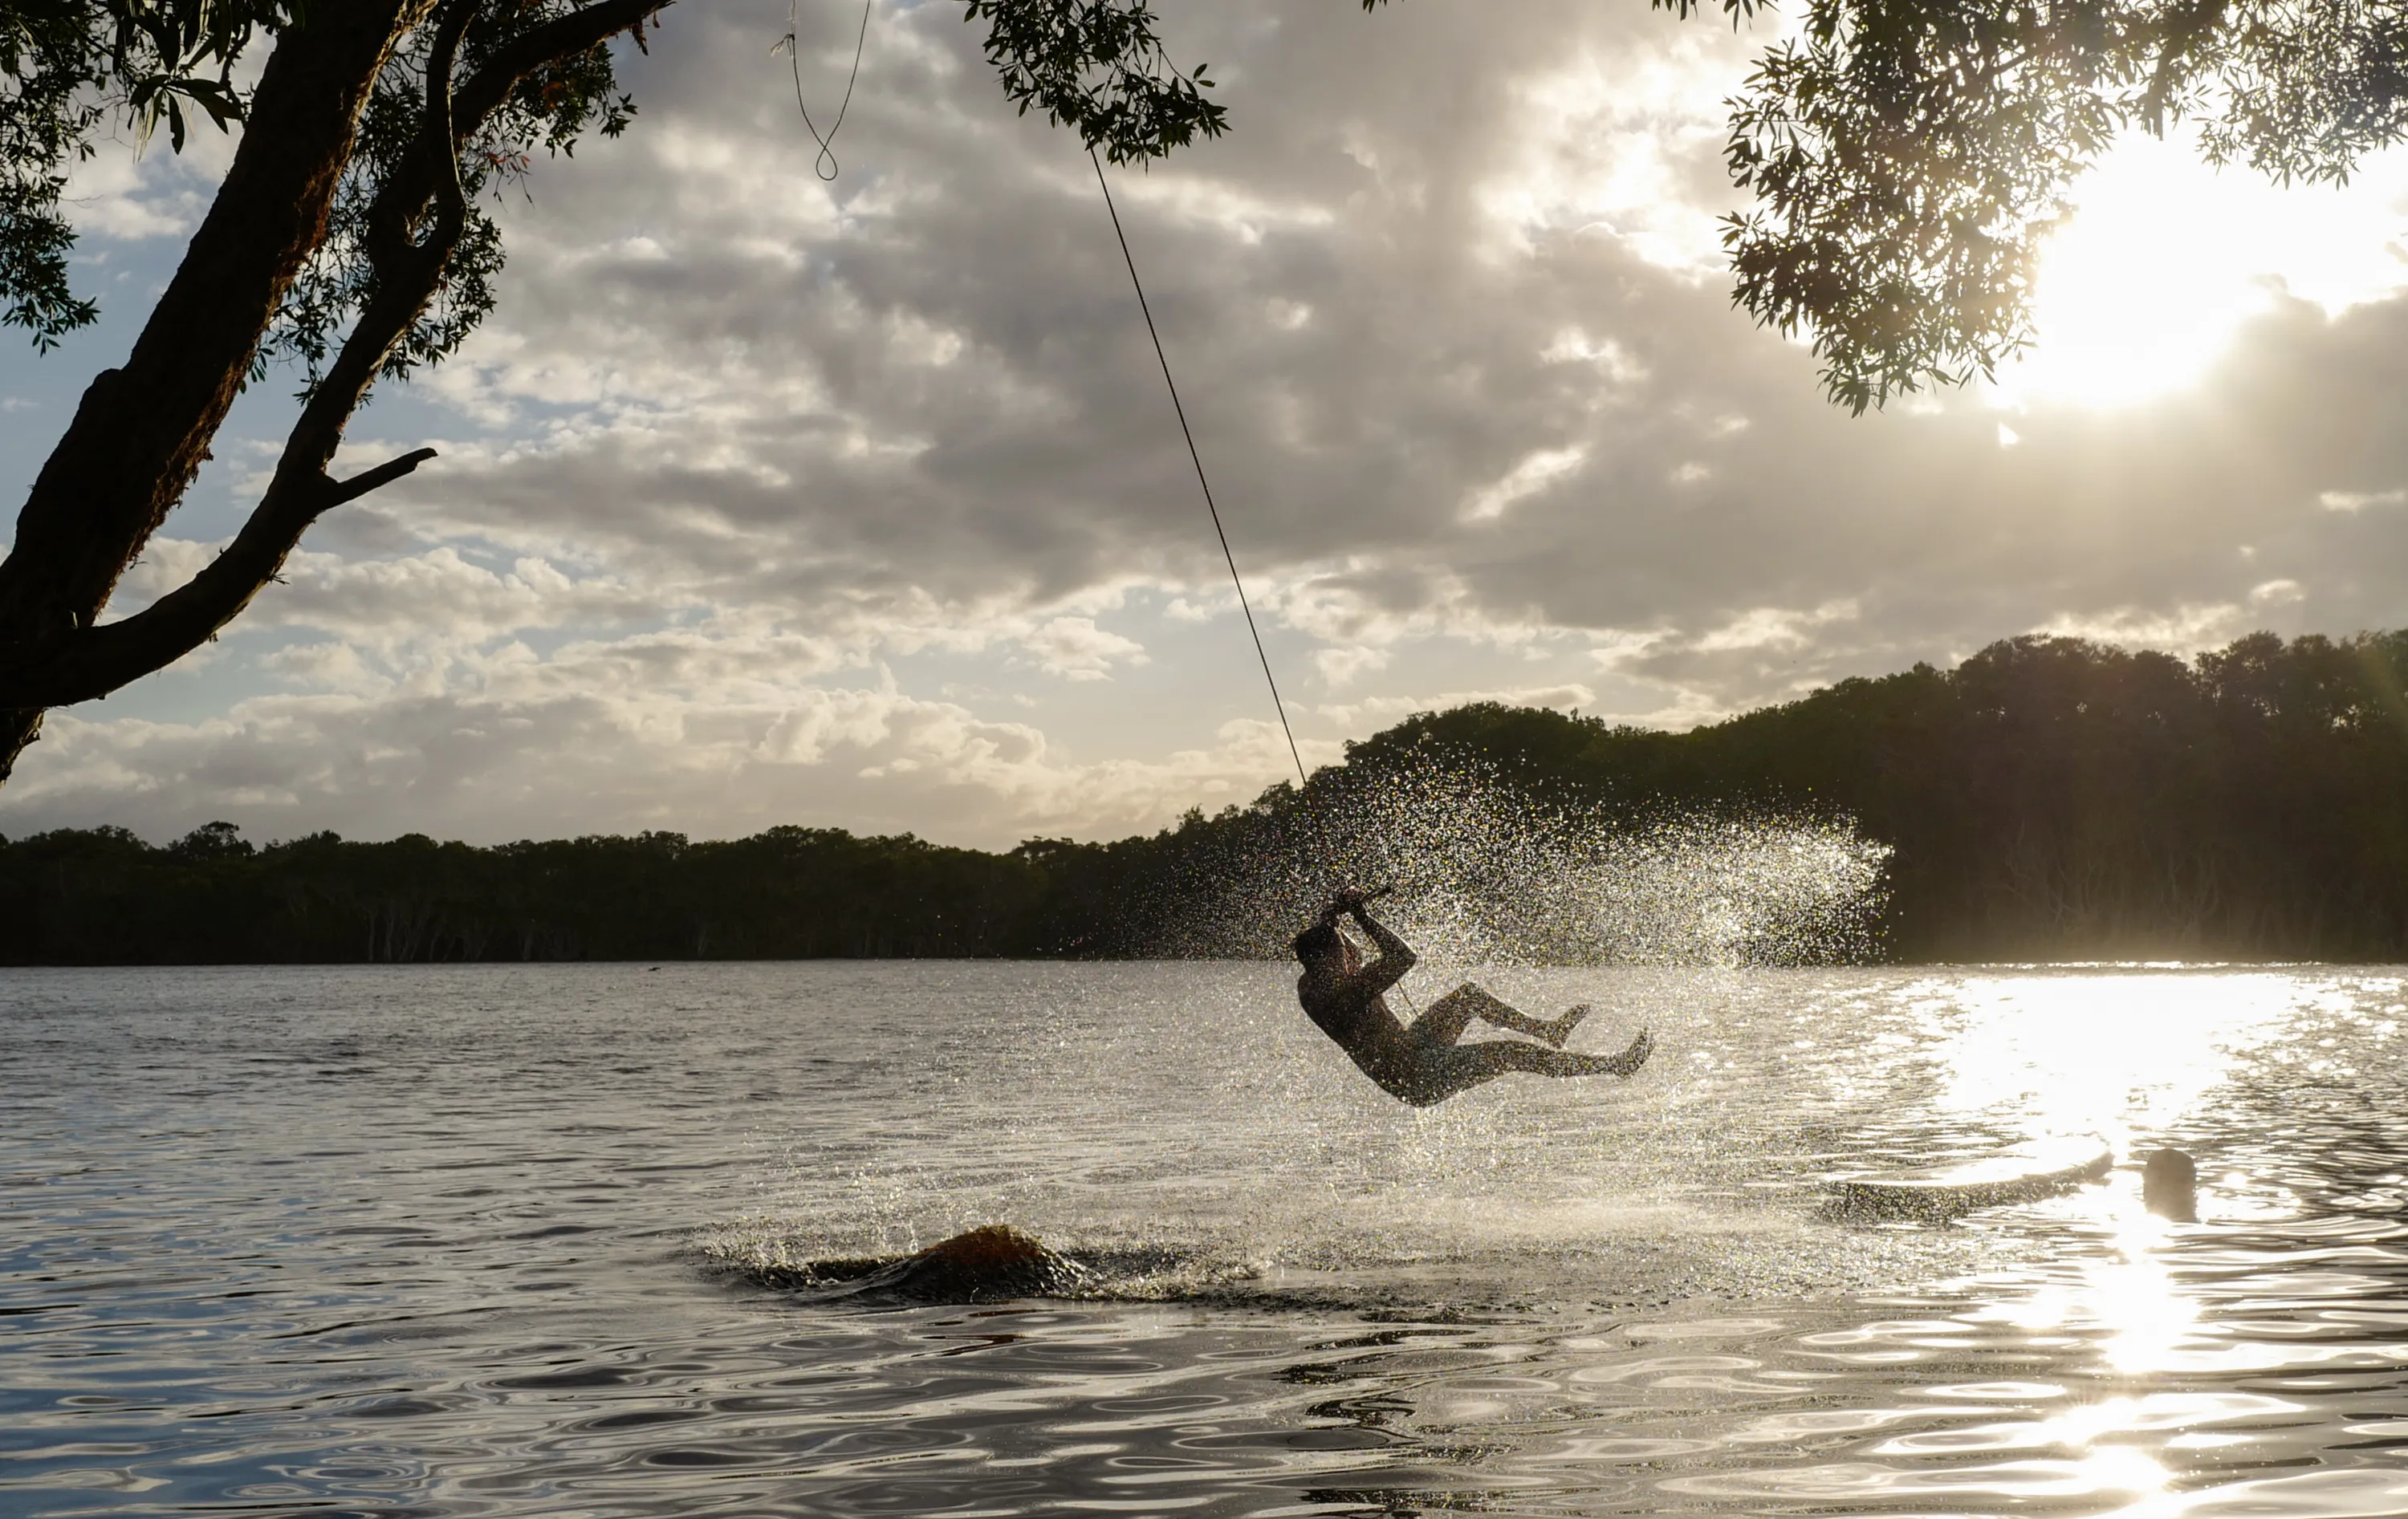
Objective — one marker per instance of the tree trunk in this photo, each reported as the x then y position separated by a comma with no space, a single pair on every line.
142,431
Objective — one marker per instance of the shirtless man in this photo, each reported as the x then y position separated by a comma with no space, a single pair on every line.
1423,1064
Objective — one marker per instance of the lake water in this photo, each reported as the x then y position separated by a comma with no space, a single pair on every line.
469,1240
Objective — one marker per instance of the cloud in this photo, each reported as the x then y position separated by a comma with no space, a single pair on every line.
1075,648
2360,500
1340,667
1538,470
1773,627
120,195
2186,629
528,757
748,472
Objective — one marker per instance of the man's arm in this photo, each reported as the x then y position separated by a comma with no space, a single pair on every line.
1395,957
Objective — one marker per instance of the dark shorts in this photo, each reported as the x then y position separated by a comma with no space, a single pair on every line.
1439,1071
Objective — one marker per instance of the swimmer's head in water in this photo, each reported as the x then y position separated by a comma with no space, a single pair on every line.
2169,1187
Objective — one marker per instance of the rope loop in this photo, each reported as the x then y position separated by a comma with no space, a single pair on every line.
824,165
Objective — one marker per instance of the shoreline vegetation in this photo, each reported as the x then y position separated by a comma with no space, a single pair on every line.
2050,799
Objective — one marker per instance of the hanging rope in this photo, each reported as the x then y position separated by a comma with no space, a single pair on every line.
826,164
1197,459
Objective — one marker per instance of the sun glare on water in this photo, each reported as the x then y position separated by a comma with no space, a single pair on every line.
2112,1054
2165,259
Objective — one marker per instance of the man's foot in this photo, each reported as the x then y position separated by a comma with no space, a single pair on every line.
1633,1057
1560,1031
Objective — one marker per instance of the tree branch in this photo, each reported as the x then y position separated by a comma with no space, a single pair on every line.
435,150
339,493
96,661
92,661
137,437
482,92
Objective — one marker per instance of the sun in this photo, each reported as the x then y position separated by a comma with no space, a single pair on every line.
2164,259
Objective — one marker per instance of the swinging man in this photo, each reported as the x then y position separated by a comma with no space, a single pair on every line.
1424,1063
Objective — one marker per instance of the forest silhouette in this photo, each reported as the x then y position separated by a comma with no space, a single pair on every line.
2049,799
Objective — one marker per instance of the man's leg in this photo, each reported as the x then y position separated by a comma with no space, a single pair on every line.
1467,1065
1446,1019
1471,1000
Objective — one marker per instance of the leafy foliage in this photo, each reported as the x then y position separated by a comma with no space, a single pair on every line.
74,66
69,69
547,112
1910,157
1097,66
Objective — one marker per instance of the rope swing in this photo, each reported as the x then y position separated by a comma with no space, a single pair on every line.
826,167
1197,459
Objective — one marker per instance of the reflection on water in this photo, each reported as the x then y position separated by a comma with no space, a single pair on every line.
443,1241
2117,1054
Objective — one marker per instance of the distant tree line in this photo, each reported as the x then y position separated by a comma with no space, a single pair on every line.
103,896
2049,799
2052,799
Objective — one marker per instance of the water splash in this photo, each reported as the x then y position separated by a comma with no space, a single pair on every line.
1484,873
1617,1260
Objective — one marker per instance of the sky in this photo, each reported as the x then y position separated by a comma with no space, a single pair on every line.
767,500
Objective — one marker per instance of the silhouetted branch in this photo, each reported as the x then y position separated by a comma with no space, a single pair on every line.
339,491
97,659
93,661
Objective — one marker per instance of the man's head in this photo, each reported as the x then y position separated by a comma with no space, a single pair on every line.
1322,947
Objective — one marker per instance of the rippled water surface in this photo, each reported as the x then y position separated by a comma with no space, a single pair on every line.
471,1240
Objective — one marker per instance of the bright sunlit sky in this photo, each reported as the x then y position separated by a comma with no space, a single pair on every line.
763,500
